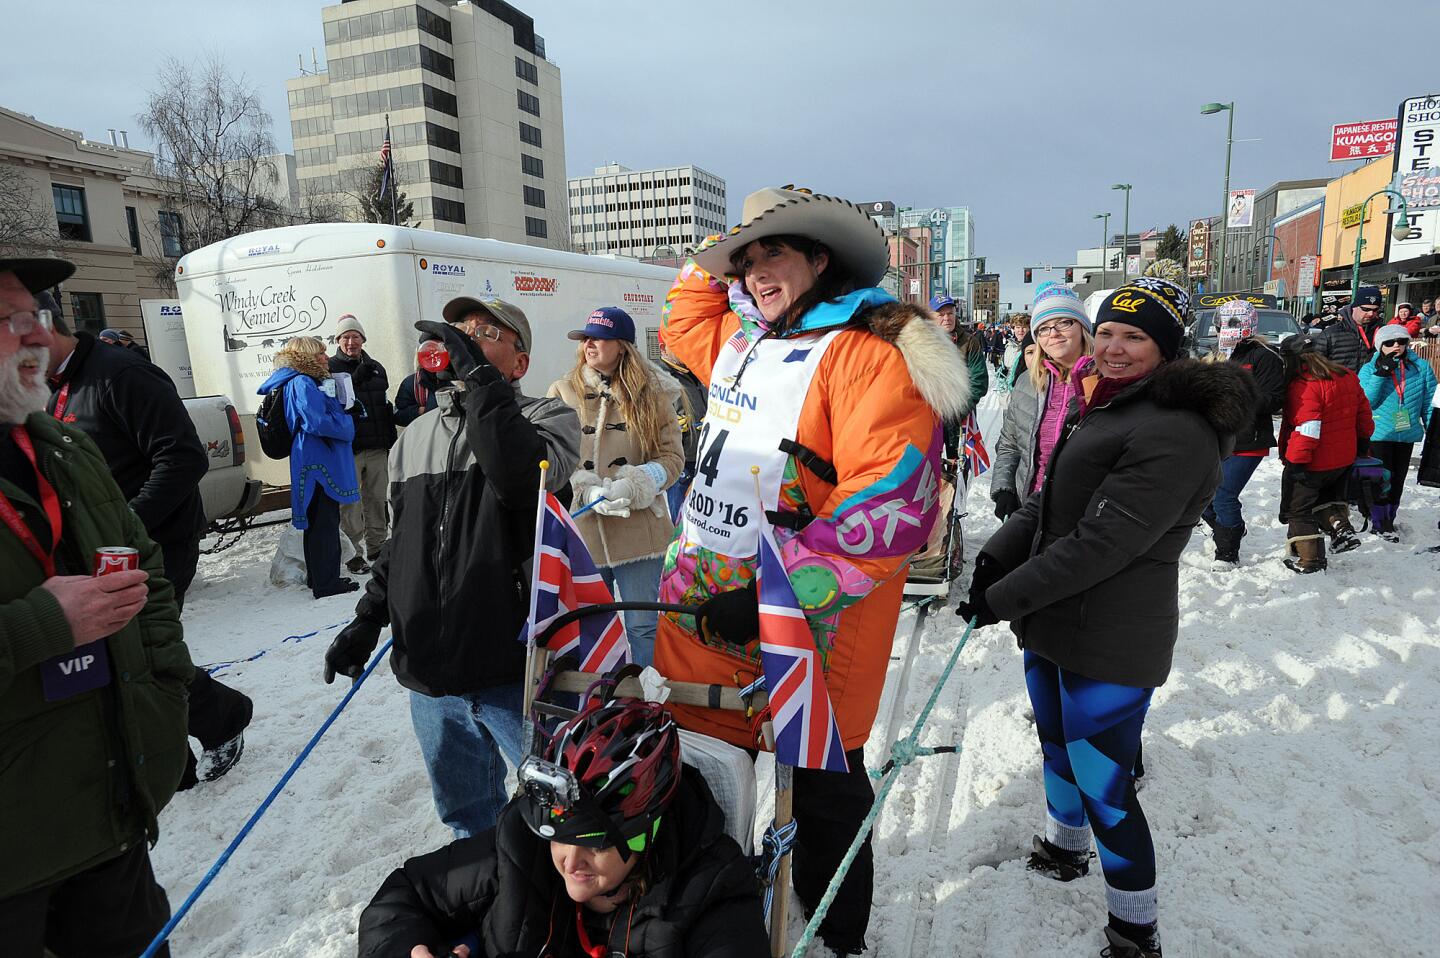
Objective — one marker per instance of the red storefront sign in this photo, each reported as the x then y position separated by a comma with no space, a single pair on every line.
1362,141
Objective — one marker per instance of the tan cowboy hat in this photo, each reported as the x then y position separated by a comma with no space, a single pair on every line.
855,239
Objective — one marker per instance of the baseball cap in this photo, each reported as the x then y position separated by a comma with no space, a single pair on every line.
506,314
938,303
116,336
38,272
607,322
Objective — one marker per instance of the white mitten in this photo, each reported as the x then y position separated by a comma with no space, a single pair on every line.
585,486
640,484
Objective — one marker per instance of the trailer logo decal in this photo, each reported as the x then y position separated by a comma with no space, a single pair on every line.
535,285
447,269
262,250
170,311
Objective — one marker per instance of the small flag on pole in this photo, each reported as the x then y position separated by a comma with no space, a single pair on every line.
806,733
565,579
387,162
976,455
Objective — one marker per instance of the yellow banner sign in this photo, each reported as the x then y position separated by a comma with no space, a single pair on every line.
1351,216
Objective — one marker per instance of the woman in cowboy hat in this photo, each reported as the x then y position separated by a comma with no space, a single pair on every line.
826,398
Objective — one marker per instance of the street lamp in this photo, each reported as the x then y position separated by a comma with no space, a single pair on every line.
1125,253
1104,240
1207,110
1399,231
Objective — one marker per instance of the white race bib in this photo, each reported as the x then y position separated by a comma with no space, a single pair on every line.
757,391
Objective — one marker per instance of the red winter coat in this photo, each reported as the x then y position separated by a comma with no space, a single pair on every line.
1412,325
1324,421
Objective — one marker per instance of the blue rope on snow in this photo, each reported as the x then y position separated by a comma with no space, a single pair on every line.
776,844
184,909
215,667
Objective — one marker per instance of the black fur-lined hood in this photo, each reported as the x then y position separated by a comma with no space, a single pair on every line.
1224,393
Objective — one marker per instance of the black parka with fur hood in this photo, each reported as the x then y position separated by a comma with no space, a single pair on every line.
1093,560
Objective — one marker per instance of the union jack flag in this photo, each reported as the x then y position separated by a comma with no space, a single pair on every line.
565,579
806,734
976,455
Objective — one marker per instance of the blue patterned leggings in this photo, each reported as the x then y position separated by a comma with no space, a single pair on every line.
1089,735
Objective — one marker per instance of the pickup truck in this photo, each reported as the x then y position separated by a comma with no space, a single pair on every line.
228,492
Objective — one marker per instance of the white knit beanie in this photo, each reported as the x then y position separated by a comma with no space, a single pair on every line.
349,324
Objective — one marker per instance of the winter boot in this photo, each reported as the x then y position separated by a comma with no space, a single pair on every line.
1131,941
1307,553
357,564
1387,531
217,761
1056,862
1210,520
1380,519
1227,543
1335,520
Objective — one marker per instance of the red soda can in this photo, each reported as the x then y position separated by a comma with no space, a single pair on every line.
110,559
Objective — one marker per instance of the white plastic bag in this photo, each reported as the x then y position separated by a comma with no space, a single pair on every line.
730,773
287,566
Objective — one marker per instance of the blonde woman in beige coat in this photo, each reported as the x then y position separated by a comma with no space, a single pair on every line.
630,452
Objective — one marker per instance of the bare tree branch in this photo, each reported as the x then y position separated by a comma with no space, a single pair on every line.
24,217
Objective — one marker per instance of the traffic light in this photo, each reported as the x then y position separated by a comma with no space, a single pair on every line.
1069,274
1027,274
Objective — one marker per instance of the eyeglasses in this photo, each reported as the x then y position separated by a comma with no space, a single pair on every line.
1369,309
23,324
485,331
1058,328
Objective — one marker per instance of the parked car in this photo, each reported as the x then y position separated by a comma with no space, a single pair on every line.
227,491
1275,325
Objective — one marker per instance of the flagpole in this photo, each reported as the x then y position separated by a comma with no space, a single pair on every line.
784,801
390,159
528,699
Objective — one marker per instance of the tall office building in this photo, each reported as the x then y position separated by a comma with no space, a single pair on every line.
475,115
635,212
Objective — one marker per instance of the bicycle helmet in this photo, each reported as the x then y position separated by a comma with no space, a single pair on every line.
606,778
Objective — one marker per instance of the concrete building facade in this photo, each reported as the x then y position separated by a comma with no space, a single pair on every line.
635,212
93,204
475,115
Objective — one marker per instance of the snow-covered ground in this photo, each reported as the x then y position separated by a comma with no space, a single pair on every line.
1292,760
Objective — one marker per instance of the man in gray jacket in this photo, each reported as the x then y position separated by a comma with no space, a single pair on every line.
453,581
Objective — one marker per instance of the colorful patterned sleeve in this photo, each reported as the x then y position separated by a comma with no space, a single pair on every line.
696,319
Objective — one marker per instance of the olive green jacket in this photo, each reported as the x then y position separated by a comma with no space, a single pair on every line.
84,778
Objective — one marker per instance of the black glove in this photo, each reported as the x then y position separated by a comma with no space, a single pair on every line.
350,651
1385,365
733,616
987,572
467,360
1006,503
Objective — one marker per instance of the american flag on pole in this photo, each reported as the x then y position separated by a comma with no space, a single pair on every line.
565,579
976,455
806,734
387,162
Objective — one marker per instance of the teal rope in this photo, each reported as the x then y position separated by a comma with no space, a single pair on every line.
902,753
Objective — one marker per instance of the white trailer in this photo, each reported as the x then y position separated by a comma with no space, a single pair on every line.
244,297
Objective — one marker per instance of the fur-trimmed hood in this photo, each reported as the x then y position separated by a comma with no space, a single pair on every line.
1224,393
317,367
936,366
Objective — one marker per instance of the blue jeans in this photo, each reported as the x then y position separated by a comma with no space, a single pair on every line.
675,494
637,581
461,738
1235,472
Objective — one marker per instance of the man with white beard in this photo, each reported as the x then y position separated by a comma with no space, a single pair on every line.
93,671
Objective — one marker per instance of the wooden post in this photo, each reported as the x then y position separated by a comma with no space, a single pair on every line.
784,814
527,737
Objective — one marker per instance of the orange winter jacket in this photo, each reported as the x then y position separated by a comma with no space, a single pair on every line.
874,409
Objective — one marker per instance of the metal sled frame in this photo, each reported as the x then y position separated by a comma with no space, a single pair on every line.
695,694
956,533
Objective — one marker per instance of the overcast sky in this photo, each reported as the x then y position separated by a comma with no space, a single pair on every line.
1024,111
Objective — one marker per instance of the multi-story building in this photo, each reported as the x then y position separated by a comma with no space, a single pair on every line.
987,297
951,254
474,112
637,212
96,205
1251,253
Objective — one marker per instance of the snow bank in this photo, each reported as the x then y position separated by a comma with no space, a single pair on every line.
1291,759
